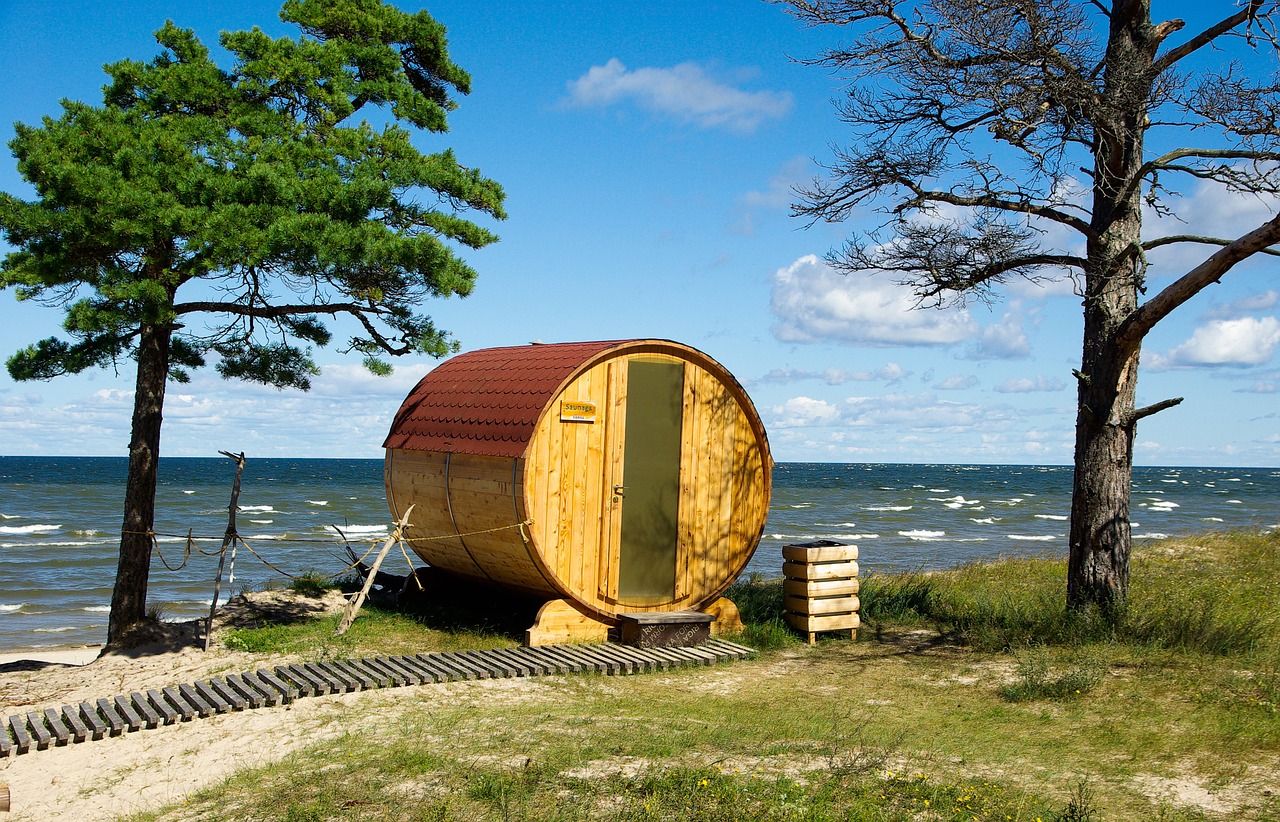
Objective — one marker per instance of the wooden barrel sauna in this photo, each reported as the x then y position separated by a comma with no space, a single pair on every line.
618,477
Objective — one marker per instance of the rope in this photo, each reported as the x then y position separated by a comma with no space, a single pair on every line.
191,546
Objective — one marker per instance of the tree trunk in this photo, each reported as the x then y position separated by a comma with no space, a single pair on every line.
129,599
1101,538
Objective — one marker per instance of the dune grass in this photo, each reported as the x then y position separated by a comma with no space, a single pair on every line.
970,694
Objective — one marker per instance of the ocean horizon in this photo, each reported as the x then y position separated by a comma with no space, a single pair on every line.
60,522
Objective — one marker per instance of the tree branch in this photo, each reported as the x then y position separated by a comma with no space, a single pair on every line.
1155,408
1207,36
1129,335
1191,238
269,312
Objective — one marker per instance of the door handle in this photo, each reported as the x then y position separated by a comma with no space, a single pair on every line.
618,490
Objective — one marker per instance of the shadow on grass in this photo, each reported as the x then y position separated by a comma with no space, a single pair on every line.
446,602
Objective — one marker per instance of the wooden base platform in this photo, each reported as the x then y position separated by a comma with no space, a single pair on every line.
38,730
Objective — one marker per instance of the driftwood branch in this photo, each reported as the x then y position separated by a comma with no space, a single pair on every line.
228,539
353,607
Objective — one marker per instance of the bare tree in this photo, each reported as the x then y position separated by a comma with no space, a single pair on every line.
983,128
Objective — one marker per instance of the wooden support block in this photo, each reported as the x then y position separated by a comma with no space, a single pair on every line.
126,710
21,739
820,587
150,716
162,705
727,618
447,672
180,703
287,691
228,694
252,695
61,733
819,551
71,716
89,713
211,697
821,605
43,738
815,624
112,716
559,622
821,570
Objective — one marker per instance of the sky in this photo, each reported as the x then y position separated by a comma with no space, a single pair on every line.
649,152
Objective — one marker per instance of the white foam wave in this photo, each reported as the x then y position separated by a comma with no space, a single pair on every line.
9,608
922,536
801,505
97,609
984,520
70,544
888,507
28,529
260,508
1152,535
10,516
188,492
61,630
1031,538
366,530
1212,519
262,521
317,502
1055,517
1234,502
956,501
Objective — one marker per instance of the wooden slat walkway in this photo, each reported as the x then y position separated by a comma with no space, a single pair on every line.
38,730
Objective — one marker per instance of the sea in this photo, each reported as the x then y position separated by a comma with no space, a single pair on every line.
60,523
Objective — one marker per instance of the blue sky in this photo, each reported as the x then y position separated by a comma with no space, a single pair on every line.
649,151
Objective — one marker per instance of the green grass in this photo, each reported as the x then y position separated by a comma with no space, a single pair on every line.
970,694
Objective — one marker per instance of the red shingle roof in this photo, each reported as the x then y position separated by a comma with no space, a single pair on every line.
488,401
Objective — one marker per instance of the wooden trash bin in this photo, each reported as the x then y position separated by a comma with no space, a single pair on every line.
821,587
604,478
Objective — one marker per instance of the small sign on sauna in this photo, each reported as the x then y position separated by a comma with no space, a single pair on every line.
577,411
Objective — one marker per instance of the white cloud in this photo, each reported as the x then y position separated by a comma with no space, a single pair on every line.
803,412
1006,340
890,372
685,92
1026,385
1242,342
957,382
1209,210
814,303
1248,304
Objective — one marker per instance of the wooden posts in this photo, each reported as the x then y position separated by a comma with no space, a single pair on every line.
229,539
821,587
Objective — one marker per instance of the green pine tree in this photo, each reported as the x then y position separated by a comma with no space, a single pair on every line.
224,215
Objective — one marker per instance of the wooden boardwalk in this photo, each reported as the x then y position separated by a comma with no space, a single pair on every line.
38,730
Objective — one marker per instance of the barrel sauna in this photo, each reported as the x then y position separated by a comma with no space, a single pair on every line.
605,478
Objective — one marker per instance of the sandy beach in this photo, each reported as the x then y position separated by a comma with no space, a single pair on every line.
106,778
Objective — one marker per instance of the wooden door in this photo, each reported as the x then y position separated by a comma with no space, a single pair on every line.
646,502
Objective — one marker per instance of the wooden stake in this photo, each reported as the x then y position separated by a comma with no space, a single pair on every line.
353,607
228,539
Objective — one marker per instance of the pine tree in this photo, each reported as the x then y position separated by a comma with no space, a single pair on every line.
209,215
